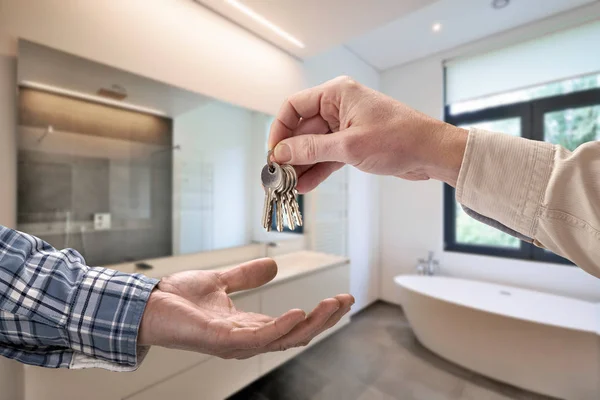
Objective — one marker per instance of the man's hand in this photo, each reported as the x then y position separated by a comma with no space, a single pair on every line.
192,311
342,122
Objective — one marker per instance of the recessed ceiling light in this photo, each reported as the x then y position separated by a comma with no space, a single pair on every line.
436,27
262,20
498,4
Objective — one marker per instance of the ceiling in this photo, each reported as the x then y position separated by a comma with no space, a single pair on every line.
43,65
386,33
462,21
319,24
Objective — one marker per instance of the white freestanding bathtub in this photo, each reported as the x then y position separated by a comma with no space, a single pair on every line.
540,342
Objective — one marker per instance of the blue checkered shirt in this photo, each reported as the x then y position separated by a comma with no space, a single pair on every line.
57,312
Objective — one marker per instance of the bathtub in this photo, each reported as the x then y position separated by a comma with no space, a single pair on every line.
536,341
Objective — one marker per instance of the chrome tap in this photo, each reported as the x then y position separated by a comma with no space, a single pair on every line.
428,267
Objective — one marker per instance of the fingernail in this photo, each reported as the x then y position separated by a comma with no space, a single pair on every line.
283,153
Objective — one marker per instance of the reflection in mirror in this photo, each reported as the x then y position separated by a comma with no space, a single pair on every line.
123,168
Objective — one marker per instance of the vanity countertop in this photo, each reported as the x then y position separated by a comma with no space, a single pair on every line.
300,263
290,265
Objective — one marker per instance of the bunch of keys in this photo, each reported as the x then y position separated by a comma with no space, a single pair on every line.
279,182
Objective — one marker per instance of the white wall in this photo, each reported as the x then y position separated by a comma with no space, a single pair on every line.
178,42
363,189
412,212
216,149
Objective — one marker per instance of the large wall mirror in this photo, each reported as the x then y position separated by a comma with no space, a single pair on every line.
123,168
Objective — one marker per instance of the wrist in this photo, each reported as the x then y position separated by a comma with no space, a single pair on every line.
146,332
446,155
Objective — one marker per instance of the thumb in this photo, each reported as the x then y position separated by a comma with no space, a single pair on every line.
312,149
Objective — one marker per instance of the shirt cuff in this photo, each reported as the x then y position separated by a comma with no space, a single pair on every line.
504,178
105,316
83,361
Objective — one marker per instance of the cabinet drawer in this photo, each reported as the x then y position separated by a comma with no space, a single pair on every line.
214,379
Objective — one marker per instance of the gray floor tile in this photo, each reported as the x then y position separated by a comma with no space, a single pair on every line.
374,394
343,388
376,357
474,392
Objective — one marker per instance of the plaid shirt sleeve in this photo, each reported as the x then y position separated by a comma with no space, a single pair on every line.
57,312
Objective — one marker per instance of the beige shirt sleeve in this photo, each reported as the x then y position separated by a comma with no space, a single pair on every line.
537,189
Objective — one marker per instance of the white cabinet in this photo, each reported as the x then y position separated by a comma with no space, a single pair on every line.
98,384
215,379
304,293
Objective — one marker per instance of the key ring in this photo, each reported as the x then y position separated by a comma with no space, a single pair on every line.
269,162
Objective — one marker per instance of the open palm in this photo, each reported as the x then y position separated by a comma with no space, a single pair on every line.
192,310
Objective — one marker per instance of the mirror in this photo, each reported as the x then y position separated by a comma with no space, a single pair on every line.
124,168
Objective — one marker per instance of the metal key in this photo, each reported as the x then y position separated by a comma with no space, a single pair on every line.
267,216
289,195
279,212
285,200
292,193
296,207
272,179
280,194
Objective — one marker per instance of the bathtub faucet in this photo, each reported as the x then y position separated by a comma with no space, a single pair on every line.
429,266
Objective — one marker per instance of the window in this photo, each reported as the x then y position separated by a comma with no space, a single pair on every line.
565,113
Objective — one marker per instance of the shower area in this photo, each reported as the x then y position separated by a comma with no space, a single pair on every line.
94,177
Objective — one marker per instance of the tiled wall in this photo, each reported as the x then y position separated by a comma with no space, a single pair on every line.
97,159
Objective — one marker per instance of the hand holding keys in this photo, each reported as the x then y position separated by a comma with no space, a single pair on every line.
279,182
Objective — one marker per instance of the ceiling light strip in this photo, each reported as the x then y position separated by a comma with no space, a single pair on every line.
262,20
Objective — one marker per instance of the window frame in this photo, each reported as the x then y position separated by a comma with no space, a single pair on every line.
531,114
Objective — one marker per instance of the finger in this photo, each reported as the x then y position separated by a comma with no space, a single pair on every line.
341,146
258,337
301,169
305,104
315,175
346,302
315,126
249,275
304,330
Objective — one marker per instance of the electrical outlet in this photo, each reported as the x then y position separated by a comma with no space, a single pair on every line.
101,221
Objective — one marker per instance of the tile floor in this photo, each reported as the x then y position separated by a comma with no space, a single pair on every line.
376,357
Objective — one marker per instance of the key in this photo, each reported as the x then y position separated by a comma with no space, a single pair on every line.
279,212
296,207
292,193
286,200
289,198
266,205
267,215
289,211
271,177
280,200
